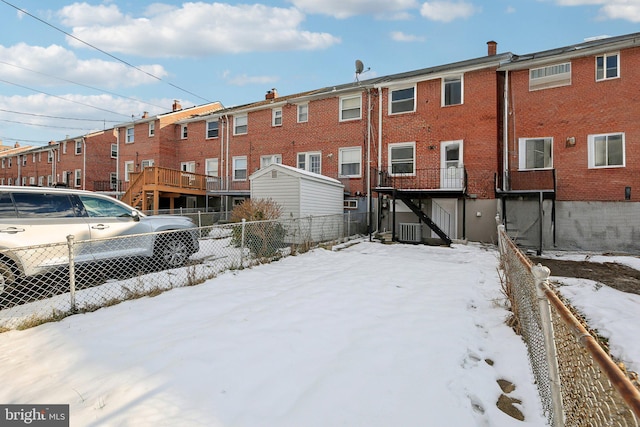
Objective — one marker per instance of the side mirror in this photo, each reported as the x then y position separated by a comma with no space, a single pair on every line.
135,216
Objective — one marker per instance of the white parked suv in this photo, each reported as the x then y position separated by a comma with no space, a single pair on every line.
40,216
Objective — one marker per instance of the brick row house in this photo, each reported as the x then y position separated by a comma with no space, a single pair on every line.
544,141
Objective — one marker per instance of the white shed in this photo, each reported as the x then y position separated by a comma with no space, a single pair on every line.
303,194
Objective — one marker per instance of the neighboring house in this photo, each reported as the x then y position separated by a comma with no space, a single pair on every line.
572,165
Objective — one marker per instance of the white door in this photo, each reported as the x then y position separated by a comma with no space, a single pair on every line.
452,172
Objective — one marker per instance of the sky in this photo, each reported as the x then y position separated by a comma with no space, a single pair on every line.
69,68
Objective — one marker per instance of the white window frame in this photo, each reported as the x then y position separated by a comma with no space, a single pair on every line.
445,84
41,181
113,180
209,130
550,76
64,147
398,106
129,167
235,160
592,140
146,164
77,178
241,124
602,71
78,147
114,151
347,152
33,157
276,117
270,159
350,204
129,135
307,161
184,131
303,113
343,109
523,150
400,145
24,181
24,160
152,128
209,168
49,157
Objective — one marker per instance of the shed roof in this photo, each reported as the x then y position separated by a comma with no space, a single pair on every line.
300,173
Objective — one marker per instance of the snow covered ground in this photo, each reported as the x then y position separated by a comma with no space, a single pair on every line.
371,335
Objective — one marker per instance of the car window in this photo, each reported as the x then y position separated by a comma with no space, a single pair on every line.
34,205
97,207
7,210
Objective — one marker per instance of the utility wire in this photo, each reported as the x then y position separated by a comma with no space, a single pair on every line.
80,84
60,118
7,138
100,50
39,125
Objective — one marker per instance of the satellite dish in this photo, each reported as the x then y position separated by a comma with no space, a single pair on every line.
359,66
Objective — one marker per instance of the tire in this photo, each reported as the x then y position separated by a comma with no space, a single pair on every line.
7,275
172,250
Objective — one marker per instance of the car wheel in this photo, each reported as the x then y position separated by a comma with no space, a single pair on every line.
173,250
7,276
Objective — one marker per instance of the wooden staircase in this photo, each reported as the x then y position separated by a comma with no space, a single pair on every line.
148,186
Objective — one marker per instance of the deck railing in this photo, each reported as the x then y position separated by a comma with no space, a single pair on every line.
452,178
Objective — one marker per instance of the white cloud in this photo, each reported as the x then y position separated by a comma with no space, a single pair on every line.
193,30
611,9
25,64
345,8
399,36
244,79
447,11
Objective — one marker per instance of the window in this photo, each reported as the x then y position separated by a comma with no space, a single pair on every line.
310,162
211,167
267,160
550,76
34,205
49,157
78,178
401,158
240,168
403,100
212,129
452,90
350,107
276,117
128,170
188,166
606,150
350,204
24,160
114,151
350,160
65,174
64,147
240,125
24,180
183,131
49,180
146,164
303,113
130,136
102,208
152,128
40,181
33,158
535,153
607,66
79,147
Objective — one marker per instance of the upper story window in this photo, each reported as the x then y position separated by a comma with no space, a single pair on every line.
129,138
240,168
268,160
183,131
310,162
49,157
303,113
240,124
535,153
212,129
607,66
64,147
211,167
24,160
402,100
276,117
402,158
606,150
114,151
350,107
152,128
452,90
350,160
550,76
33,157
78,147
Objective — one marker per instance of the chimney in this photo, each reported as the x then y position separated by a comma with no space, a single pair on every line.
176,105
145,115
271,94
16,145
492,48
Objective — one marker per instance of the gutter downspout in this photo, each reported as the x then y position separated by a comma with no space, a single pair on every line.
84,163
369,210
379,219
505,132
117,189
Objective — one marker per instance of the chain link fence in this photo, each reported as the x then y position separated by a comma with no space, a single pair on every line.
49,282
578,382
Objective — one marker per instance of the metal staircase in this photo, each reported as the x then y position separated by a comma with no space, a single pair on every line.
425,218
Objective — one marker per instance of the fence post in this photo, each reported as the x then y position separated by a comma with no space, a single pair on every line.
244,222
541,276
72,271
348,223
